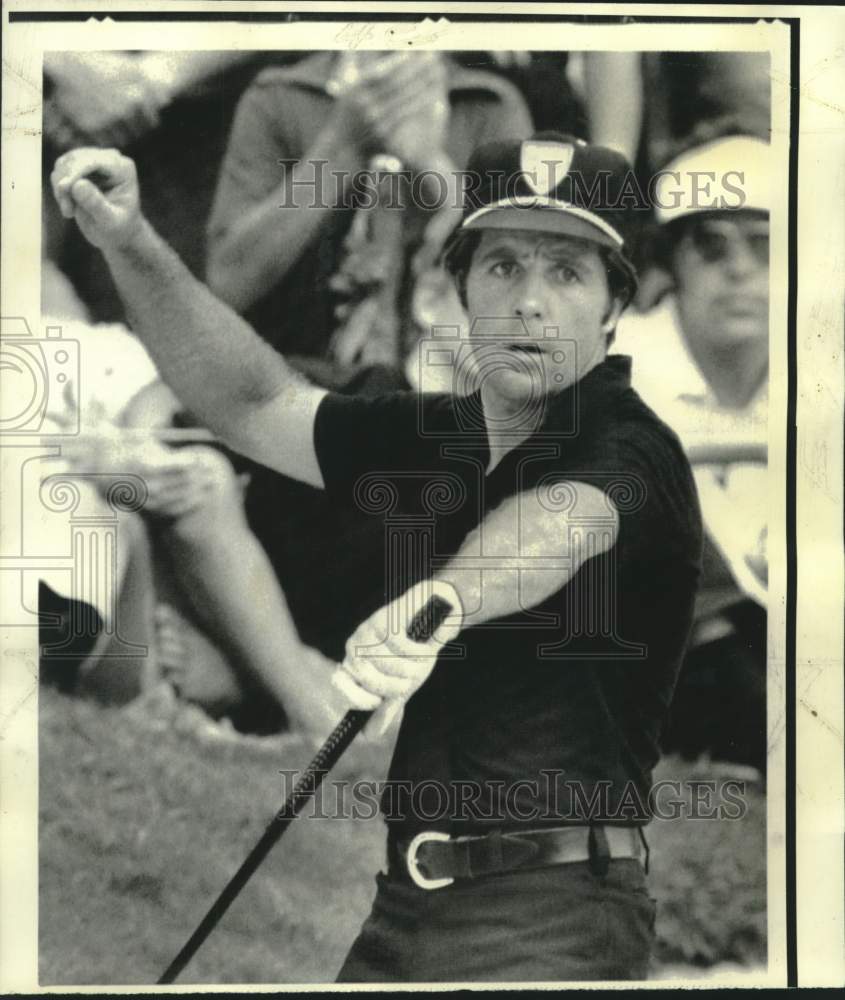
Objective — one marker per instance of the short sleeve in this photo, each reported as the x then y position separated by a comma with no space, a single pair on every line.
354,436
645,474
641,468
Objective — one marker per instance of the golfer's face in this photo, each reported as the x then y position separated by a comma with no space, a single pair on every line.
539,307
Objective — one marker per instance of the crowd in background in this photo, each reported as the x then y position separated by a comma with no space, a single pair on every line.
241,584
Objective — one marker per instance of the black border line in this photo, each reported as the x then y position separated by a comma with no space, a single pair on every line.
308,16
792,303
791,537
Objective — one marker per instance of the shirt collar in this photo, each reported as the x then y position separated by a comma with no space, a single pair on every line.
571,413
576,408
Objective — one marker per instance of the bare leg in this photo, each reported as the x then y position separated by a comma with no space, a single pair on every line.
234,593
193,665
123,662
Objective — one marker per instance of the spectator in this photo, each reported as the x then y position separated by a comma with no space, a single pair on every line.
685,91
605,107
172,110
187,566
78,631
277,266
702,364
337,280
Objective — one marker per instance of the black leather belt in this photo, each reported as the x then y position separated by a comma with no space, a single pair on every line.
433,859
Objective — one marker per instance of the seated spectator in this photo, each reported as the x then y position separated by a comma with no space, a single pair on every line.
284,268
83,631
188,568
702,364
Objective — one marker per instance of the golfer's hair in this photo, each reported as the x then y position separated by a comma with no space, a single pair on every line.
459,250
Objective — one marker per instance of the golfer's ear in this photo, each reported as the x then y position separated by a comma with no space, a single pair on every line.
613,314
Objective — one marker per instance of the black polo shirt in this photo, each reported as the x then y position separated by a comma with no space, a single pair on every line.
553,714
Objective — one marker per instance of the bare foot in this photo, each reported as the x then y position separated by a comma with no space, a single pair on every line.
193,665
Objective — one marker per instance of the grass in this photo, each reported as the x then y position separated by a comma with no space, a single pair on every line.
145,814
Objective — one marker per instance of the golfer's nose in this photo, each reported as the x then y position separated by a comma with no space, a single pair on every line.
530,296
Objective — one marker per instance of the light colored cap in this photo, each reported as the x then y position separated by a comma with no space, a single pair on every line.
731,173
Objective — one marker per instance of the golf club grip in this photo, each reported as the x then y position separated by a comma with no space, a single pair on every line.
423,625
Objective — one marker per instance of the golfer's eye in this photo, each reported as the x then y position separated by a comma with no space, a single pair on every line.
566,275
504,268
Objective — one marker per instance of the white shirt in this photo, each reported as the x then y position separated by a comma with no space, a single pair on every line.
113,366
108,366
734,498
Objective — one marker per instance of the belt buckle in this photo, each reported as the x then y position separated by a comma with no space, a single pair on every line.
413,867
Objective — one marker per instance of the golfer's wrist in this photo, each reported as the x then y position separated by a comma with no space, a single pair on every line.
448,592
136,239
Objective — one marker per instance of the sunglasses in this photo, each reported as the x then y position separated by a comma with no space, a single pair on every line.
715,243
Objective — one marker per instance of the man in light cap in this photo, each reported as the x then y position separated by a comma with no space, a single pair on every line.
702,360
550,509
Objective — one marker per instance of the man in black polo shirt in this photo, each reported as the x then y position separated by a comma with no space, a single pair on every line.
548,506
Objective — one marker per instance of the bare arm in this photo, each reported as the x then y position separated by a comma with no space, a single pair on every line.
174,73
614,97
250,256
215,363
528,548
524,551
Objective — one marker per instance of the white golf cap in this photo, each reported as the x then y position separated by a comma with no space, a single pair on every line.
730,173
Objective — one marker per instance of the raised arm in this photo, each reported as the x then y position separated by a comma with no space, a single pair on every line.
217,366
614,98
524,551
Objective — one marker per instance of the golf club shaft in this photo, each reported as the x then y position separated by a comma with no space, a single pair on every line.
422,627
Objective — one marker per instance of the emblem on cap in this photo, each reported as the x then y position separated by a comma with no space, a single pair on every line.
545,163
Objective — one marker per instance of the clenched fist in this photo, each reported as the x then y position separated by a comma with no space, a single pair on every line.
99,188
383,666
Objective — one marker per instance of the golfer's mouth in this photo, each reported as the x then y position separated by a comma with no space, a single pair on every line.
526,348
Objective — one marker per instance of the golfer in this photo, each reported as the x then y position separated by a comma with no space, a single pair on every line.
543,501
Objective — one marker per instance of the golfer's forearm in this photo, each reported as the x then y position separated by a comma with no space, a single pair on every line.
260,248
496,586
213,361
524,551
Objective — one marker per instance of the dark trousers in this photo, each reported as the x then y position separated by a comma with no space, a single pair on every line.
561,923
